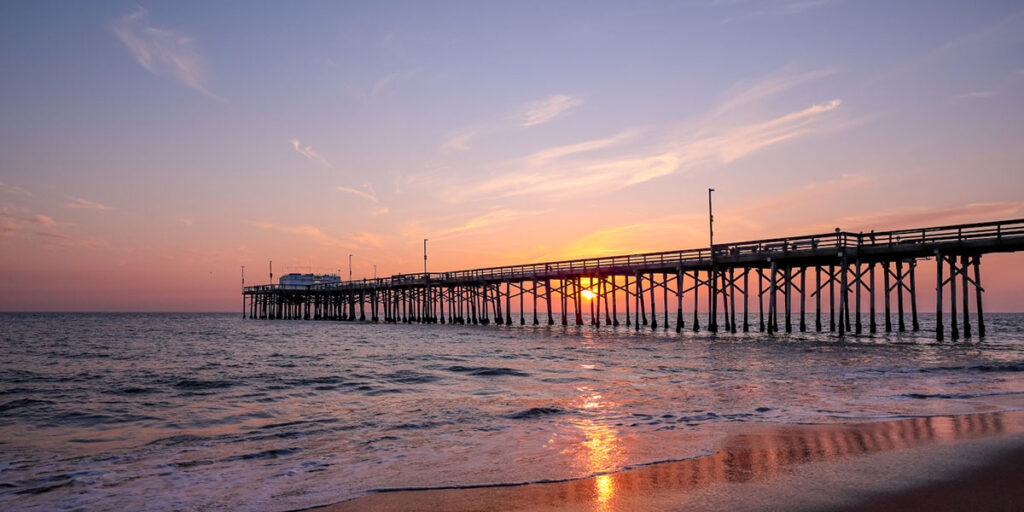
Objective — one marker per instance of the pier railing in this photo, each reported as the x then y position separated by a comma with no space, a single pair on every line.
977,233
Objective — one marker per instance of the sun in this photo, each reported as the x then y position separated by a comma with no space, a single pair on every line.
587,294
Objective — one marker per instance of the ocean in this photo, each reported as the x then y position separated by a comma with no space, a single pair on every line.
213,412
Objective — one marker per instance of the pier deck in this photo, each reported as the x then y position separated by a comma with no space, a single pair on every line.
721,274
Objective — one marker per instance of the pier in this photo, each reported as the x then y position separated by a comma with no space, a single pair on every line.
762,285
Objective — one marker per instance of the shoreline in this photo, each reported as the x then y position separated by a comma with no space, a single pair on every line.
851,467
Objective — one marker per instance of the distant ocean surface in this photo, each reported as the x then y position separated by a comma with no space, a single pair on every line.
210,411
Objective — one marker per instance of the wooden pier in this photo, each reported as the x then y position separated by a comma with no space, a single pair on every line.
838,270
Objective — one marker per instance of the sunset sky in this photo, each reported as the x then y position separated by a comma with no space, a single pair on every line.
148,150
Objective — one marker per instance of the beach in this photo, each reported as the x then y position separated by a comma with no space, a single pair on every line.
970,462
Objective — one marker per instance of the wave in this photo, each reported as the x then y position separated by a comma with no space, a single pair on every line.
484,371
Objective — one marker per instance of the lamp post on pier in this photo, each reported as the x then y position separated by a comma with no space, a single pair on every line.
349,267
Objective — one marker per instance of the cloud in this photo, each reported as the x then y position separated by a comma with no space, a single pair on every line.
459,142
766,87
311,232
9,223
379,211
545,155
14,219
542,111
366,238
311,154
490,218
77,202
161,51
44,220
770,8
368,194
13,189
974,95
546,172
58,239
917,216
186,221
386,81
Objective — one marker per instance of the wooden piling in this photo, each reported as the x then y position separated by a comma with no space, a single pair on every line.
977,293
760,297
772,325
913,298
654,314
817,298
746,289
899,295
967,311
843,324
954,332
679,298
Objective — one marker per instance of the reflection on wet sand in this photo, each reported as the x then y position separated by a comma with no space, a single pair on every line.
757,455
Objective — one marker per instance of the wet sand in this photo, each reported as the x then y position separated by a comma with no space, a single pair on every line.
969,462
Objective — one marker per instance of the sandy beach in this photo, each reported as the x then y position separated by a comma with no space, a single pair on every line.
967,462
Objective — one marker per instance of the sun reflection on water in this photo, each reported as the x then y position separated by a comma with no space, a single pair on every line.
600,450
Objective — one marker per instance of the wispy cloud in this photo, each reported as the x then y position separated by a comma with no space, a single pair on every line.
971,95
14,219
491,218
161,51
546,172
387,81
548,154
77,202
458,142
766,87
44,220
310,153
311,232
365,238
379,211
542,111
58,239
753,9
13,189
9,223
365,194
918,216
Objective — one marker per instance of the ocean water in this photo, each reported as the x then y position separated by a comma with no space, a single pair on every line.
213,412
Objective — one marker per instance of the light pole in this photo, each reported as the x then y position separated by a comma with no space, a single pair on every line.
374,271
243,291
424,256
711,227
712,273
349,267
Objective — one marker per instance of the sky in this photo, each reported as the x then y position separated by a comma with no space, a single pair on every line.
148,150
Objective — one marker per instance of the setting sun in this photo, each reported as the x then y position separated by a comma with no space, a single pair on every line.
587,294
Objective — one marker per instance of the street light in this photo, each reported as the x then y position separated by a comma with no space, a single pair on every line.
711,227
424,255
349,267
